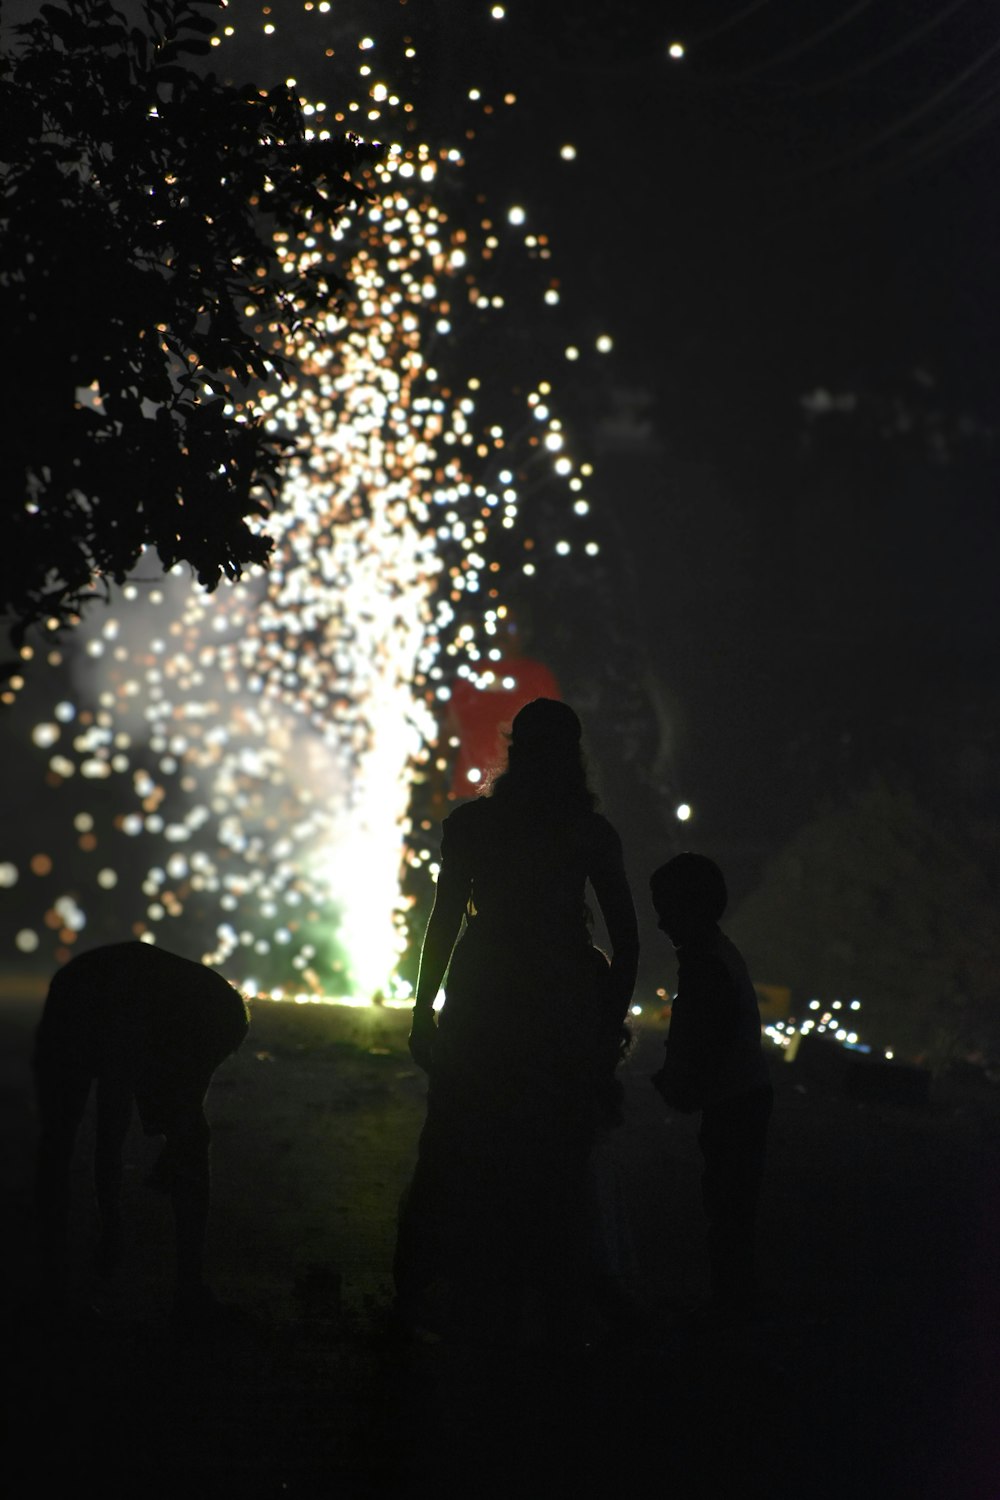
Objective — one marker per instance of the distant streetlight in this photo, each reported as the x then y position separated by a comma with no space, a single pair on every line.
683,812
676,50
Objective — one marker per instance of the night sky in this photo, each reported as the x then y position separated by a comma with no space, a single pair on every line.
802,206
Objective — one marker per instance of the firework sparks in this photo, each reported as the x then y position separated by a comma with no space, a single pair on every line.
237,769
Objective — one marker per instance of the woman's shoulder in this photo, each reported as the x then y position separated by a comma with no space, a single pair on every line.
602,831
462,821
466,812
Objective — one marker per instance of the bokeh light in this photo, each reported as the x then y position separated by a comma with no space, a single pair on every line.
234,772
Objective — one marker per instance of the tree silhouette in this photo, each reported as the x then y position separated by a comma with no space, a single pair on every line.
147,289
878,899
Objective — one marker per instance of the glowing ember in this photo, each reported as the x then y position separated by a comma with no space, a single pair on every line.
245,760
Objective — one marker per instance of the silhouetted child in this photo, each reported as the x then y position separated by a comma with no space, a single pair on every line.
714,1063
147,1027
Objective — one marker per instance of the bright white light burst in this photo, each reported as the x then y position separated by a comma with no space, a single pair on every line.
244,761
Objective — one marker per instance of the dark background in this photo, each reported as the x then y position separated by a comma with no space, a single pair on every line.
813,596
788,233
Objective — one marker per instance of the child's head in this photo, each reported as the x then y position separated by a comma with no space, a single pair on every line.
689,894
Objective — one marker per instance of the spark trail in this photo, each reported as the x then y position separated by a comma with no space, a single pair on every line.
237,769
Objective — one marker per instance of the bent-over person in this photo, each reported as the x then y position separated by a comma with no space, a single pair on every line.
146,1027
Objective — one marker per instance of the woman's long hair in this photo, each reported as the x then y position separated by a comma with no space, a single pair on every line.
546,771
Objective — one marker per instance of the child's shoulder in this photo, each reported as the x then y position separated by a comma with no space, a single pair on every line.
704,961
707,963
728,953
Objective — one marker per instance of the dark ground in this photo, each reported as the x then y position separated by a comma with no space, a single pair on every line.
872,1372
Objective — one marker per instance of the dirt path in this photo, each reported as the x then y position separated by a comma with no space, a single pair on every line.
872,1372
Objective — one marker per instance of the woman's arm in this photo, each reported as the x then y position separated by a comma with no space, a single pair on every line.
614,896
443,927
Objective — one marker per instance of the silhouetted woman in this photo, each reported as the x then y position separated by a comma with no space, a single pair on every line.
523,1055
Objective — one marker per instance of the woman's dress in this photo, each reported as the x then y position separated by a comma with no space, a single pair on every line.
524,1055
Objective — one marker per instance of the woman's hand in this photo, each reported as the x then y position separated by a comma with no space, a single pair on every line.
423,1034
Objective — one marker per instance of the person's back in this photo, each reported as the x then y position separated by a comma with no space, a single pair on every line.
741,1064
528,873
100,988
714,1045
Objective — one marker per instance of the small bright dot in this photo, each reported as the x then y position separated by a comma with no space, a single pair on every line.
516,215
683,812
568,153
474,774
676,49
26,940
604,344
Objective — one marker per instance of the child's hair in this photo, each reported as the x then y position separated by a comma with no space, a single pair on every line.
693,880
